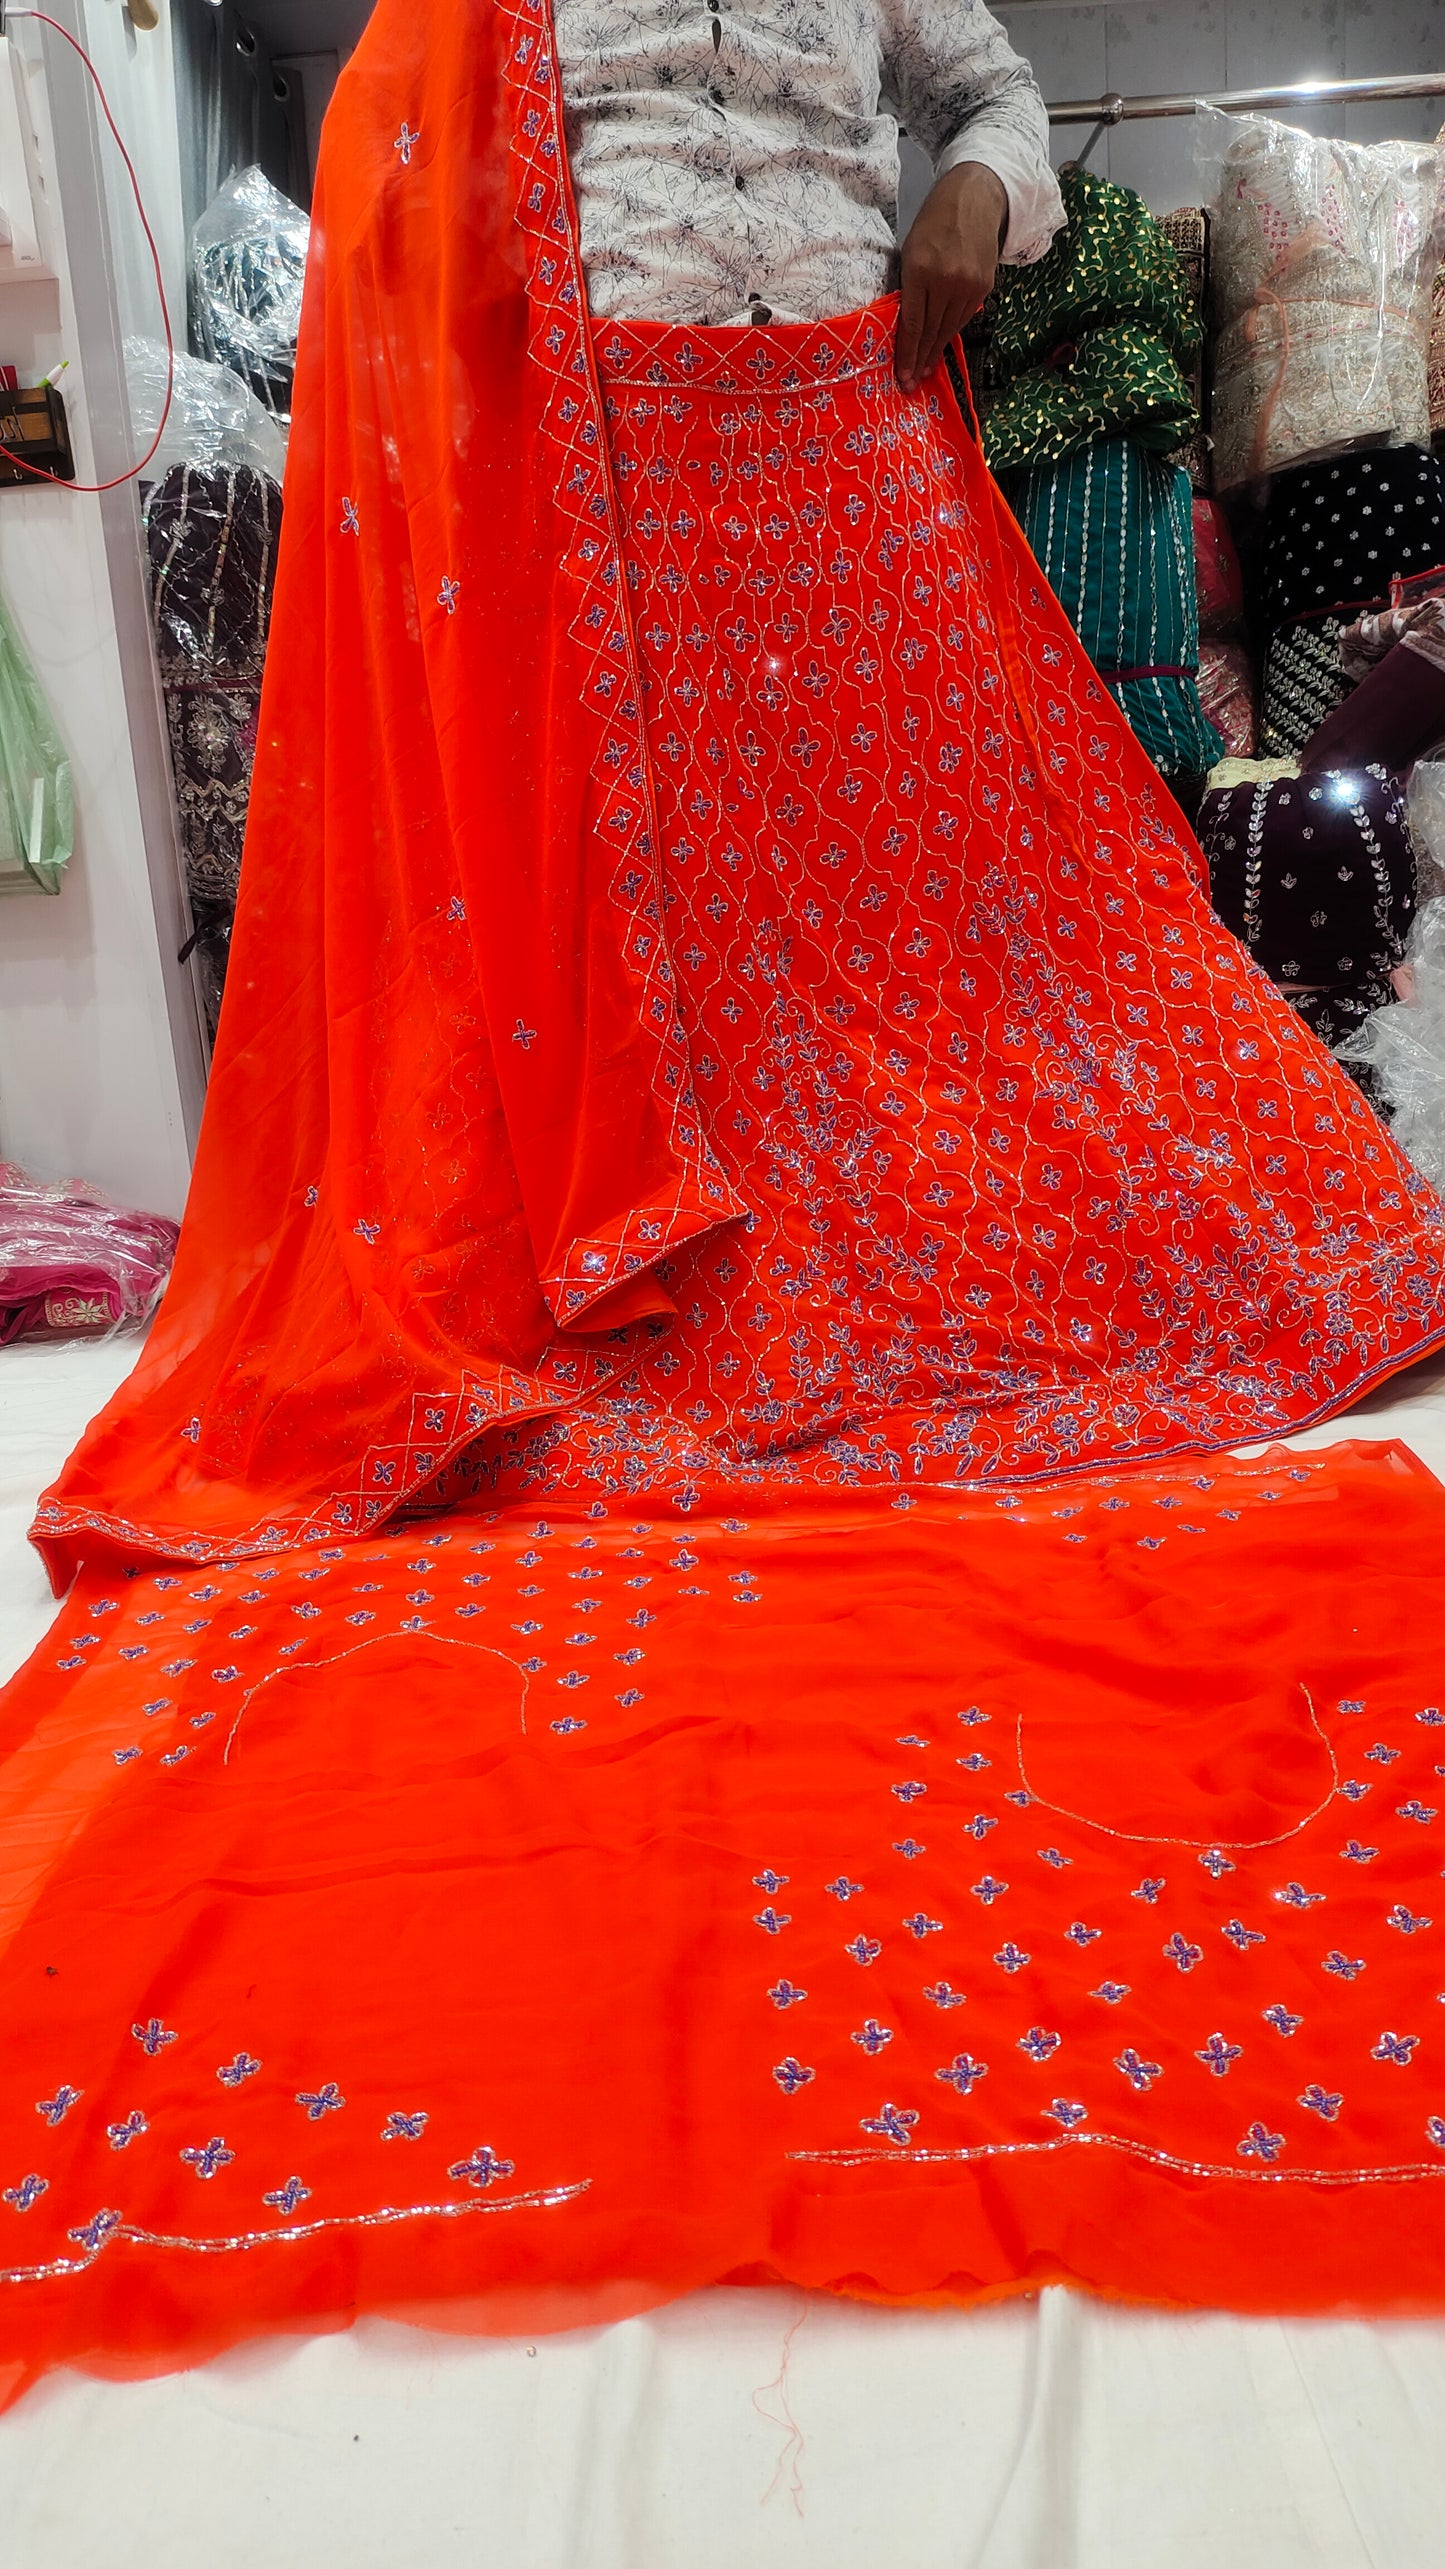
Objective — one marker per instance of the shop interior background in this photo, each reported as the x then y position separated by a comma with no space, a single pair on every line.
102,1048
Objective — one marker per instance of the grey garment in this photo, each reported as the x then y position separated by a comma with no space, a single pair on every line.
735,154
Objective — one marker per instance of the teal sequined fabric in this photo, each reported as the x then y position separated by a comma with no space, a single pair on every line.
1112,529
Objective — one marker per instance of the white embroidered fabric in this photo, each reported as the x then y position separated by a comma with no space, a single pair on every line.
739,155
1323,256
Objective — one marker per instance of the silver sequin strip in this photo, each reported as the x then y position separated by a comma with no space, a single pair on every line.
542,2199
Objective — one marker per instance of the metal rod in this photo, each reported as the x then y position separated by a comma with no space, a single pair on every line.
1114,110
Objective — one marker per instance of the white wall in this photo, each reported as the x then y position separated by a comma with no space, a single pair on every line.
1158,45
90,1080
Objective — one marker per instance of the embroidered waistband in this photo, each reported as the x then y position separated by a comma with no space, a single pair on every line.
776,357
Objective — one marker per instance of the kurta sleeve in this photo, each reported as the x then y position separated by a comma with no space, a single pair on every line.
963,94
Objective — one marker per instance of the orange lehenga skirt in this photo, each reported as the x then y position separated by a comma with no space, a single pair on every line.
667,1676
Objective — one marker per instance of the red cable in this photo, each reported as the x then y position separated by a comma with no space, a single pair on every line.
38,472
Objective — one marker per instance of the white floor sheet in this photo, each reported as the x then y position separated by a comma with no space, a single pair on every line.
737,2430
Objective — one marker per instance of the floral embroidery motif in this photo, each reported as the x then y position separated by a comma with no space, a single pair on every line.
153,2036
891,2123
483,2168
210,2158
286,2197
53,2109
791,2075
321,2100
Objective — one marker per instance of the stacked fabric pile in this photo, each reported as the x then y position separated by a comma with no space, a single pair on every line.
1336,535
1323,266
1324,257
212,533
1245,522
1089,402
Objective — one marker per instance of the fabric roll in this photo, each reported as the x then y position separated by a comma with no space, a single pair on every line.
1112,530
1323,261
1218,577
1338,533
1226,695
1095,337
1187,232
1303,681
1316,876
1396,714
212,537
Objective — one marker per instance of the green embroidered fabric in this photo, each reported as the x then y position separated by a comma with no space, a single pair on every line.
1095,337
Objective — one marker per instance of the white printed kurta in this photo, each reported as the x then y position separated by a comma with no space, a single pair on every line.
733,157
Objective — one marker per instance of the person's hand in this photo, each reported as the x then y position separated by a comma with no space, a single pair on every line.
949,259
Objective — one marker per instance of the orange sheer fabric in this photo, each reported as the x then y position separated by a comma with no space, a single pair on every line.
700,1101
1097,1193
526,1921
446,1138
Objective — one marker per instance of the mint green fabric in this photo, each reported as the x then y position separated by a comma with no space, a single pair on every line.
36,812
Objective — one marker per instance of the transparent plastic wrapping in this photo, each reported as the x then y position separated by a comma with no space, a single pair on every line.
248,266
1425,820
1226,693
1323,261
36,801
1403,1046
72,1264
214,417
212,536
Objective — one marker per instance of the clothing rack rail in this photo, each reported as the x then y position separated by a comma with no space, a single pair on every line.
1110,110
1114,110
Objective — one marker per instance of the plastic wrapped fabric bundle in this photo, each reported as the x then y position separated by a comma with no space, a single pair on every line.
1338,533
1092,338
74,1265
1316,877
214,418
1435,368
212,538
1226,695
1323,261
248,265
1187,232
1303,681
1402,1048
1112,530
1425,820
36,801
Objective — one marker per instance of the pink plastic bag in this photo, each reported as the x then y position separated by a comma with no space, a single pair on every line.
73,1265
